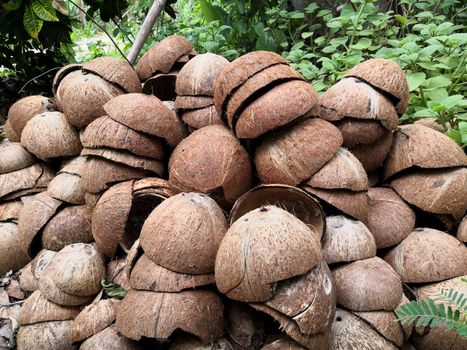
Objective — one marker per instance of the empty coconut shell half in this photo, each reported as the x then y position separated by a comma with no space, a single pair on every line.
432,190
385,76
13,157
367,285
12,257
431,123
263,247
66,185
32,273
109,339
244,326
188,225
10,134
211,160
62,73
282,343
53,335
162,85
428,255
192,343
9,211
292,199
158,315
347,240
24,109
201,117
192,102
372,155
462,230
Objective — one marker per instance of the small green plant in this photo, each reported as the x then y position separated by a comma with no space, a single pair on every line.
113,290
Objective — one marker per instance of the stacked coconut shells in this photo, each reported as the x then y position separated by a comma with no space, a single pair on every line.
110,198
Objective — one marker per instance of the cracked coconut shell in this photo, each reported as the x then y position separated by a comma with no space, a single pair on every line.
48,135
422,147
293,199
385,76
351,332
109,339
389,218
162,85
158,315
372,155
201,117
83,95
432,190
66,185
24,109
12,258
162,56
263,247
14,157
295,154
428,255
188,225
198,76
347,240
10,134
147,114
211,160
367,285
52,335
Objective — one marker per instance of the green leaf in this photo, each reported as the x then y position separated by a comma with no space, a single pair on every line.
425,113
12,5
113,290
415,80
437,95
298,15
437,82
32,24
362,44
44,10
209,12
455,135
400,18
306,35
60,6
451,101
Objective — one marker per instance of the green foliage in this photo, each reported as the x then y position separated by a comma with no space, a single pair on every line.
113,290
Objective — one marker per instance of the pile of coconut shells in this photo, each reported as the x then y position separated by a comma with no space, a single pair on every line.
197,203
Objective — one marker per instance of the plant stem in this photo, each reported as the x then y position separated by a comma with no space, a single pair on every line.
461,65
357,20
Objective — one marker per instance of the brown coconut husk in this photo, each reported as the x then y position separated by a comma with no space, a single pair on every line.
14,157
431,123
247,269
162,85
422,147
443,257
198,312
201,117
367,285
264,114
109,339
116,272
355,131
12,258
439,338
372,155
389,218
91,199
347,240
244,326
193,102
462,230
10,133
281,159
27,281
46,335
55,295
32,272
61,73
24,109
9,211
67,187
32,178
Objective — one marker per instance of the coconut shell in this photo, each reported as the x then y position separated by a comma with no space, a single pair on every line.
432,190
389,218
24,109
9,211
367,285
443,257
351,332
10,134
298,99
248,268
201,117
386,76
385,322
147,275
12,258
62,73
262,81
211,160
439,338
48,135
109,339
127,159
105,132
40,262
245,326
347,240
115,71
37,309
283,343
70,225
462,230
295,154
158,315
354,204
45,336
116,273
67,188
55,295
27,281
93,319
36,212
431,123
162,56
147,114
343,171
73,166
25,179
198,76
190,224
192,343
14,157
433,290
292,199
360,131
82,97
239,71
162,85
353,99
193,102
99,174
372,155
422,147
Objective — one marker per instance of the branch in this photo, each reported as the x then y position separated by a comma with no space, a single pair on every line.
151,17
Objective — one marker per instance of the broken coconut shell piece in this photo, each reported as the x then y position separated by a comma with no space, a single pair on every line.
13,157
292,199
443,257
188,224
294,154
212,161
121,211
12,258
372,155
385,76
248,269
347,240
109,339
432,190
162,85
389,218
24,109
158,315
422,147
367,285
66,185
53,335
